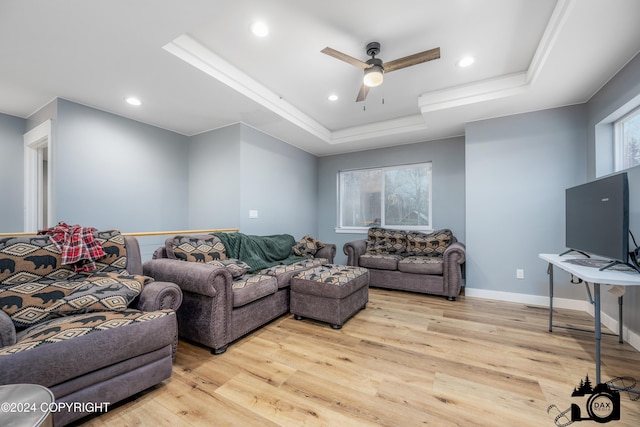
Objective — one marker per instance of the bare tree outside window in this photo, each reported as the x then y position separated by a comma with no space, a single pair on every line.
627,141
392,196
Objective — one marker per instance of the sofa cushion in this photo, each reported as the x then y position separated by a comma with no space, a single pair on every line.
386,241
380,261
283,273
66,328
307,246
422,265
87,343
251,287
33,302
198,248
429,244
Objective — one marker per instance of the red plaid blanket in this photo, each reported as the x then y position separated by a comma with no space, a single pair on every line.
77,245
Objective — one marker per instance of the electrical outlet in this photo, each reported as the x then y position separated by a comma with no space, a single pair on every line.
520,273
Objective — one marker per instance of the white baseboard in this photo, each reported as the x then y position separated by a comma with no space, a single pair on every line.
629,336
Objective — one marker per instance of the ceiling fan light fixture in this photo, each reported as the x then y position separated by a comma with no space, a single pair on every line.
373,76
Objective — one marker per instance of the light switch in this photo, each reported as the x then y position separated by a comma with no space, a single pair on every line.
253,214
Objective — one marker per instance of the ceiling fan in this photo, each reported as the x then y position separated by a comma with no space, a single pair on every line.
374,68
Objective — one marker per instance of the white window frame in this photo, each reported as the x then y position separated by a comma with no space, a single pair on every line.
619,143
355,230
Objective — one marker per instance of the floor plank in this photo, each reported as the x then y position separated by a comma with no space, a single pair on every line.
407,360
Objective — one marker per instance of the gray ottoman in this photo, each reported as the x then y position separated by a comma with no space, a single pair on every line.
330,293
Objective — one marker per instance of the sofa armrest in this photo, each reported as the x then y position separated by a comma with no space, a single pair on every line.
194,277
454,257
160,296
456,253
328,252
205,314
7,330
353,250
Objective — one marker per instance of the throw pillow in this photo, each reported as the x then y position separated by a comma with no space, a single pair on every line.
386,241
197,248
307,246
429,244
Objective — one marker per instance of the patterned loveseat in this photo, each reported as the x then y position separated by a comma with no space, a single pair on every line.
90,337
413,261
233,287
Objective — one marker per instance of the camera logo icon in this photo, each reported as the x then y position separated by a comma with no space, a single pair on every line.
602,405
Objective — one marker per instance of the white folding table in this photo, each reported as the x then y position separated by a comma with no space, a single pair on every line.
595,276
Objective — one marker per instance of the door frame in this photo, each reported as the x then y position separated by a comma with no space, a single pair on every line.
35,184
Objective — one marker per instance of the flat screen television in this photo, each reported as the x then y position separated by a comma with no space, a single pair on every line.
597,218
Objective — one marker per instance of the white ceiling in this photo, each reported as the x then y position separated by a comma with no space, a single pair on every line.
196,66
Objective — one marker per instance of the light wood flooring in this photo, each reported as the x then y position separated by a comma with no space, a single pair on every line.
406,360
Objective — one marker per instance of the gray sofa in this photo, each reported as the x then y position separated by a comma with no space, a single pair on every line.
224,297
98,336
429,263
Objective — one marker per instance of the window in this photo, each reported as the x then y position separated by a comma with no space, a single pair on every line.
627,141
397,196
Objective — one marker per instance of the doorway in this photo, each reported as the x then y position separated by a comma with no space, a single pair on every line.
38,177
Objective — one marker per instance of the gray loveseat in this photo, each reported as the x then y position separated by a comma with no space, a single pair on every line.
429,263
90,337
235,287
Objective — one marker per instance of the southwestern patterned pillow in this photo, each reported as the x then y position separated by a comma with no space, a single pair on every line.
429,244
198,248
386,241
307,246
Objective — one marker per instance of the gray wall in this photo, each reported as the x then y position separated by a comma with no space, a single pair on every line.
518,168
112,172
237,168
11,173
281,183
115,172
448,157
620,95
214,179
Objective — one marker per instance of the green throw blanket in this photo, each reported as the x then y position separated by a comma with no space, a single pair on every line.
259,251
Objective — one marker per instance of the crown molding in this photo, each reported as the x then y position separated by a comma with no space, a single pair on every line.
194,53
501,86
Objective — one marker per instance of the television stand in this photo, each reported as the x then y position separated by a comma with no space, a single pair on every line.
568,251
614,263
597,278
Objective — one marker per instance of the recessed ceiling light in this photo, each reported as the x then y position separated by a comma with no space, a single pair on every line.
466,61
132,100
333,97
260,29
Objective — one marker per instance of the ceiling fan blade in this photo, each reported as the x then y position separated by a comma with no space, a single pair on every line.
362,95
416,58
344,57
